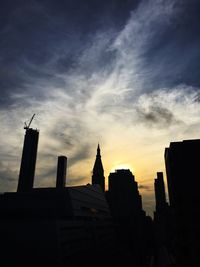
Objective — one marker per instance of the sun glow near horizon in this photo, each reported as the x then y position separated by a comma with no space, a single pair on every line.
122,166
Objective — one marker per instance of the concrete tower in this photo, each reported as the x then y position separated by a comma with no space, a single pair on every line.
98,171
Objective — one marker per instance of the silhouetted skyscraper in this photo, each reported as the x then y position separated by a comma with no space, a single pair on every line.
125,204
61,172
124,196
182,167
98,171
160,192
28,161
163,231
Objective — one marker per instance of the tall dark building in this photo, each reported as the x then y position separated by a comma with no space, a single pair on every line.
98,171
132,226
182,167
28,161
160,196
61,172
163,233
124,196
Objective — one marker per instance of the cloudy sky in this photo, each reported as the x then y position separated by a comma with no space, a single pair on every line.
125,74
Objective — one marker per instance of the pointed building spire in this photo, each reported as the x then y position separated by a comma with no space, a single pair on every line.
98,171
98,150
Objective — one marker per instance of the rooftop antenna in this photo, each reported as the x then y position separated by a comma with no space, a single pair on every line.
27,126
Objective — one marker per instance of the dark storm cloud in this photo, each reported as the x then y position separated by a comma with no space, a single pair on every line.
156,115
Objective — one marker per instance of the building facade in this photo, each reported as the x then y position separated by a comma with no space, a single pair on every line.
182,167
28,161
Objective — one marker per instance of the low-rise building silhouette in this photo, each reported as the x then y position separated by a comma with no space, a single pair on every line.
55,227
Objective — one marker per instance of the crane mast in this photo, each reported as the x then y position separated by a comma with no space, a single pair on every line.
27,126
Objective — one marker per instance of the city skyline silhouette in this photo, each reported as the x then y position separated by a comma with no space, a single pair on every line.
107,72
99,115
76,224
29,154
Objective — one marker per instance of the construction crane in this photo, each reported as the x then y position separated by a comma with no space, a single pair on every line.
27,126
